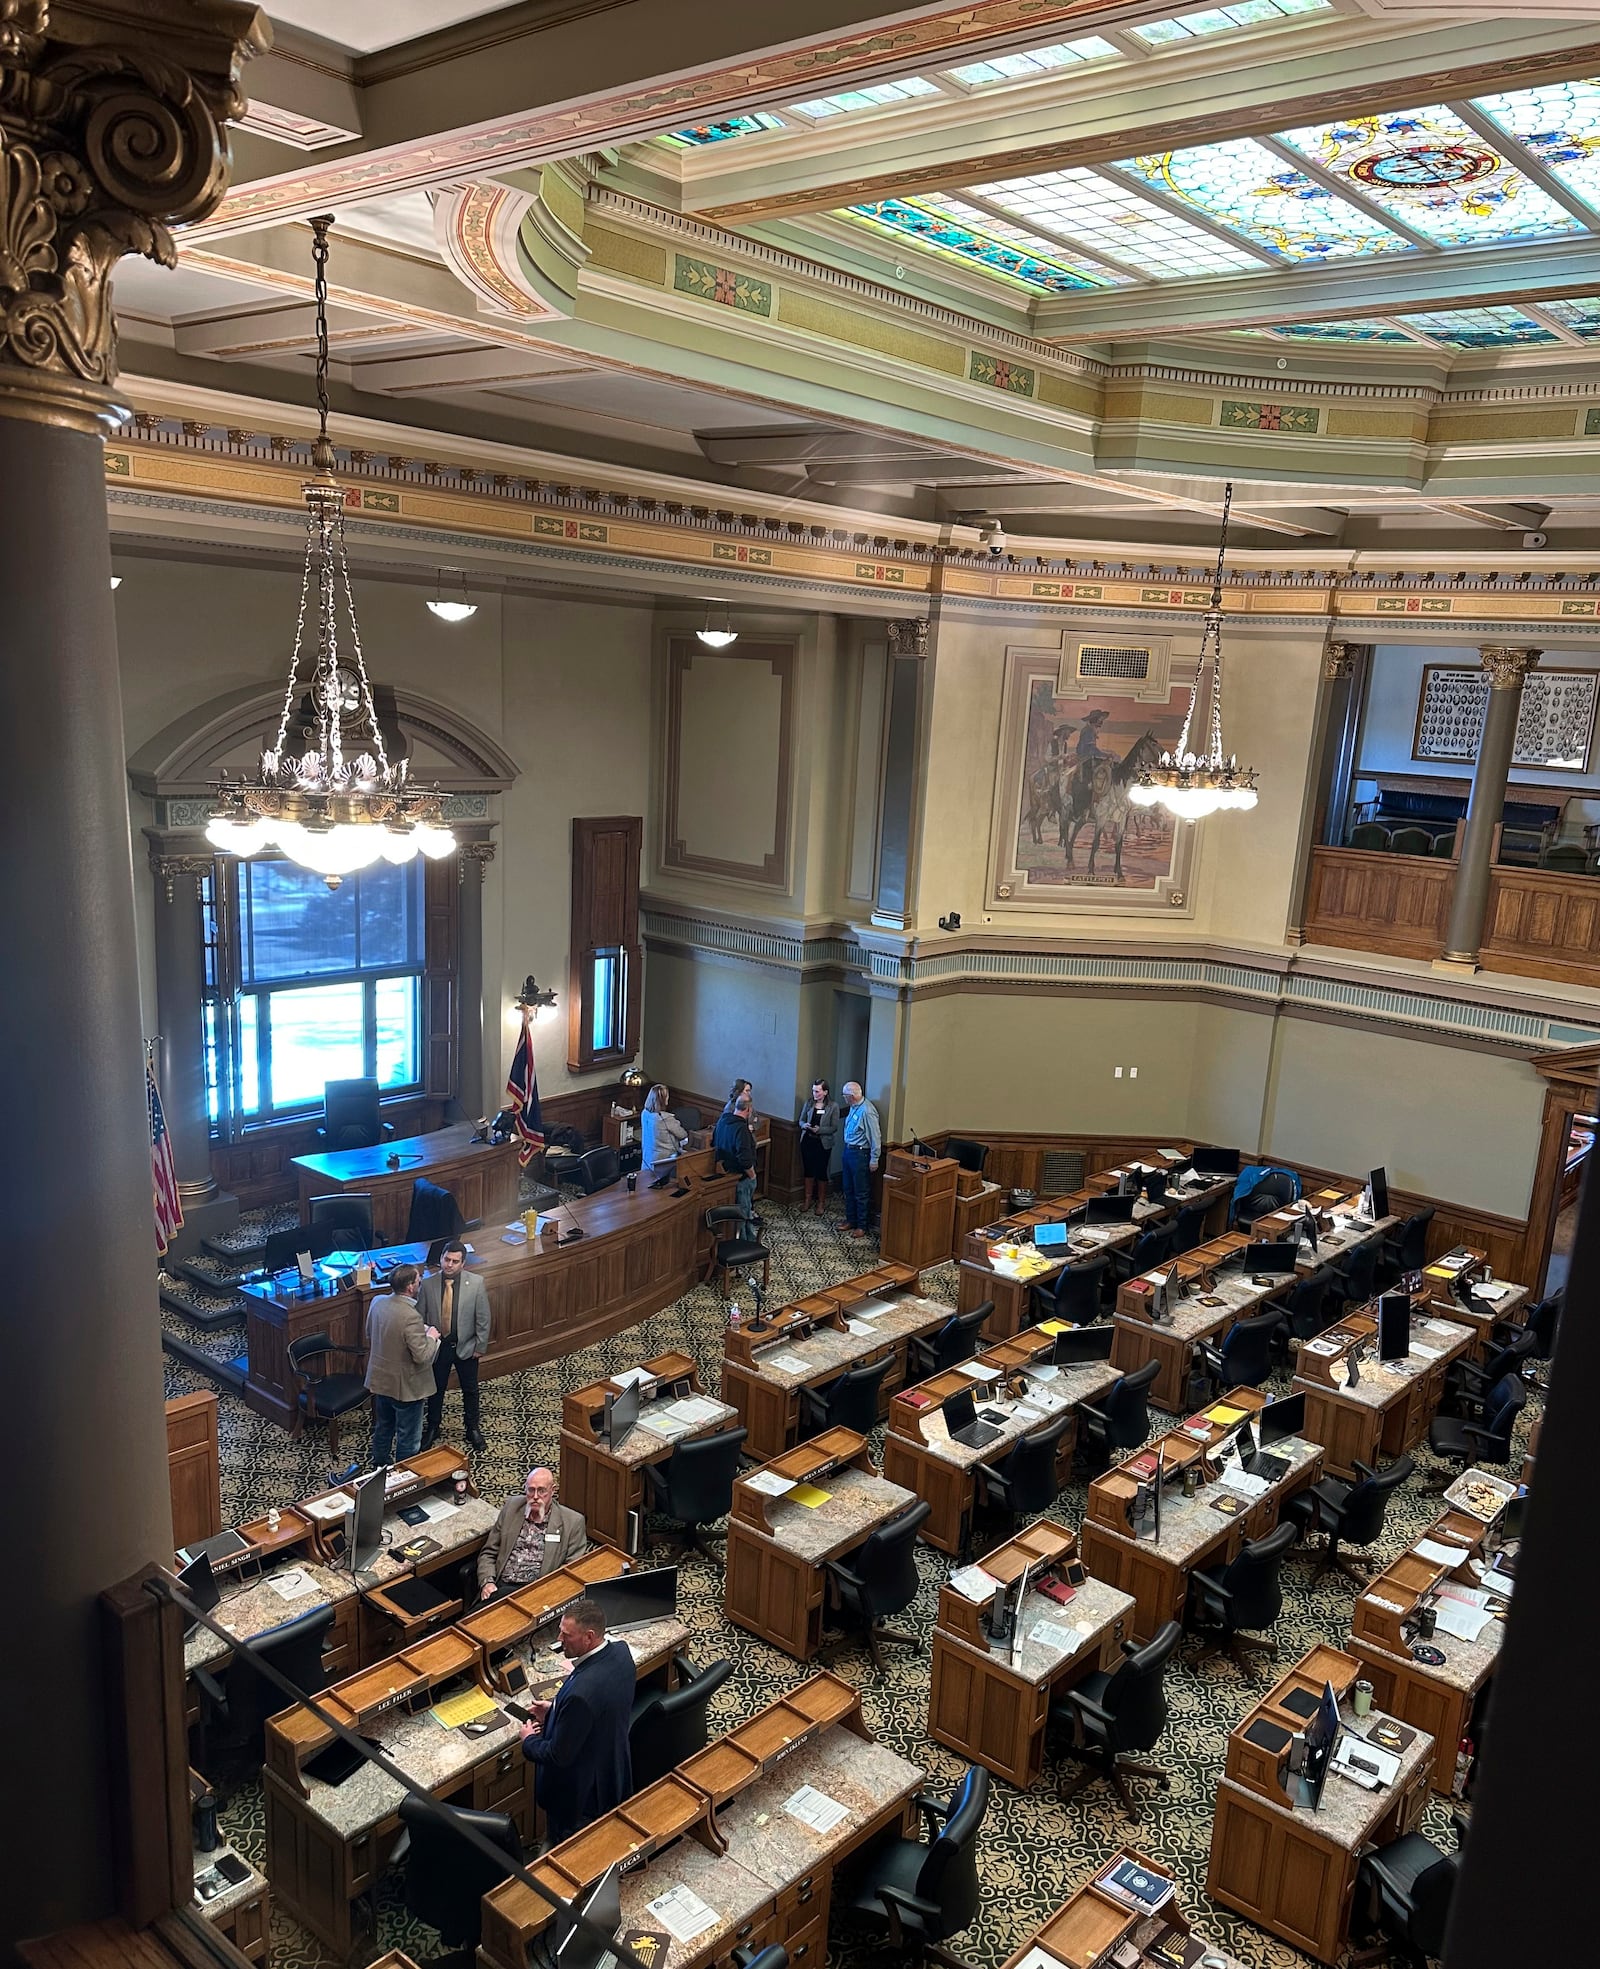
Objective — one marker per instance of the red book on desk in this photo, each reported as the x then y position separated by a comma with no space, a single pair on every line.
1057,1590
1143,1466
916,1399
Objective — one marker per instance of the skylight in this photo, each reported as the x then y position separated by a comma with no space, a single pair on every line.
1436,174
729,126
1582,317
1219,20
1244,185
1480,328
1081,205
1344,331
959,231
873,96
1560,126
1034,61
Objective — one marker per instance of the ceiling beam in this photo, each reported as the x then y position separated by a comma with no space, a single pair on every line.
285,330
1505,519
458,369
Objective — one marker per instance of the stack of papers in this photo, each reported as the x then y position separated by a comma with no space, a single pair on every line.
1365,1763
1052,1634
1242,1484
1437,1553
769,1483
696,1409
683,1914
630,1375
292,1583
816,1809
978,1371
974,1584
809,1495
1493,1293
787,1363
1465,1622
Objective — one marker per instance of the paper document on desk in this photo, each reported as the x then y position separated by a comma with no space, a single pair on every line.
770,1484
978,1371
435,1508
974,1584
1243,1484
1040,1958
456,1710
871,1309
1051,1634
630,1375
1319,1346
1455,1617
696,1409
664,1422
1029,1412
1355,1753
1047,1372
815,1809
1438,1554
682,1913
292,1583
787,1363
863,1329
1442,1328
1493,1293
809,1495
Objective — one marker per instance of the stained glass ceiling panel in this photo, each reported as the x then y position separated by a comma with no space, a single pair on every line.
960,232
873,96
1582,317
1248,187
1108,219
1218,20
1436,174
700,134
1560,126
1345,331
1480,328
1035,61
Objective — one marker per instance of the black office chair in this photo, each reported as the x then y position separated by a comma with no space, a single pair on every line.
1403,1895
598,1169
880,1579
446,1876
951,1344
669,1725
1406,1250
689,1117
1274,1190
348,1214
1454,1440
434,1213
283,1248
1306,1310
694,1486
320,1396
1149,1249
1073,1295
1115,1716
1467,1383
1188,1227
1543,1322
350,1116
850,1402
1244,1360
971,1155
920,1895
1120,1421
736,1251
234,1708
1354,1283
1245,1595
775,1956
1023,1481
1350,1514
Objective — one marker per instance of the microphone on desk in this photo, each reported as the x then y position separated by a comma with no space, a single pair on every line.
577,1231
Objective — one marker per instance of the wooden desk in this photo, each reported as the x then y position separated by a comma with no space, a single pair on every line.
1087,1928
194,1469
1508,1307
328,1845
992,1704
1341,1229
607,1485
718,1827
1389,1409
1214,1300
918,1452
774,1582
917,1213
241,1911
1194,1535
810,1342
1290,1870
483,1177
1439,1697
638,1253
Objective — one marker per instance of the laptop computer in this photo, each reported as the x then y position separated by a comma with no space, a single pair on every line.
1271,1256
1109,1210
1078,1346
1050,1237
961,1422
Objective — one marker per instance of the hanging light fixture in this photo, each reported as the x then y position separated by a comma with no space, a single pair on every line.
451,608
717,638
1191,785
330,808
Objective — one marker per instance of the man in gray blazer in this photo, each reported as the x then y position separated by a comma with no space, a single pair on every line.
533,1535
400,1351
456,1302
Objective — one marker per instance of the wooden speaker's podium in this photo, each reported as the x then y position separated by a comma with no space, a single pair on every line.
919,1206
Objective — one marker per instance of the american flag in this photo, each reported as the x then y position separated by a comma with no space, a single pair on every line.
163,1172
522,1092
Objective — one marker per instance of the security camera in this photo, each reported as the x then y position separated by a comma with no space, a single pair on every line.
993,537
1536,540
950,922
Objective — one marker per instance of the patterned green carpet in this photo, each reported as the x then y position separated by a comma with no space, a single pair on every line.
1033,1851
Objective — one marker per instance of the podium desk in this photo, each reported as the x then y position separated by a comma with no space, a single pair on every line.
1196,1535
719,1826
774,1583
1291,1870
916,1215
812,1341
1213,1301
607,1485
1016,1379
1093,1925
483,1177
1388,1411
1438,1697
978,1202
991,1701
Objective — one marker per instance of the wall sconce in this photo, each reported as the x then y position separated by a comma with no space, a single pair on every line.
447,607
532,999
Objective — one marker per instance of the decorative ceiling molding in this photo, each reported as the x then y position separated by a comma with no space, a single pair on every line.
476,227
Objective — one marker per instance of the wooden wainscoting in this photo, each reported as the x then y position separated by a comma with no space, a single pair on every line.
1398,904
1543,925
1502,1240
194,1471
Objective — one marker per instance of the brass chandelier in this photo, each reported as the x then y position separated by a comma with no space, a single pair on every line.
1191,785
341,803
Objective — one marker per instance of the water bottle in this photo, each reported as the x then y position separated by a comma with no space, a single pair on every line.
206,1837
734,1317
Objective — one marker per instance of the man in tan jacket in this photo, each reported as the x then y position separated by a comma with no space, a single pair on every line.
533,1535
400,1351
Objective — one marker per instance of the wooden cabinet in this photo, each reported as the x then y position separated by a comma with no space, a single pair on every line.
194,1472
773,1593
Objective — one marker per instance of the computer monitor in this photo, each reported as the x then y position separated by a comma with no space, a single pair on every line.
1050,1237
1080,1345
219,1547
1215,1162
197,1581
633,1598
1271,1256
621,1415
1321,1737
1170,1291
366,1520
589,1947
1280,1420
1109,1210
997,1615
1154,1184
1308,1220
284,1247
959,1410
1378,1183
1394,1326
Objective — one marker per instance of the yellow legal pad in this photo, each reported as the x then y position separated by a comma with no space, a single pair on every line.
456,1710
809,1494
1053,1327
1225,1417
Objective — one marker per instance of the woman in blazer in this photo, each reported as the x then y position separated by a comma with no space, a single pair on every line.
661,1134
818,1121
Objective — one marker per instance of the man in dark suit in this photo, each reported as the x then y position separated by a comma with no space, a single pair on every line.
578,1741
456,1303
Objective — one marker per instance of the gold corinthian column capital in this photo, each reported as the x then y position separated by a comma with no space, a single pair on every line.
112,129
1507,667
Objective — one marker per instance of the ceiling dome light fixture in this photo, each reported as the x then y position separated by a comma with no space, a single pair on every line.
1187,784
116,582
717,638
450,608
331,813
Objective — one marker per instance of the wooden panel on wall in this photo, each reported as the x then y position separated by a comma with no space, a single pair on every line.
441,1038
1542,925
1387,902
194,1470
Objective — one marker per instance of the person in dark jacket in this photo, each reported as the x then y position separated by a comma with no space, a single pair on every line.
734,1139
578,1741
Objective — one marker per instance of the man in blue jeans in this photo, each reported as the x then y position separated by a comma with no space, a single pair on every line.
863,1144
400,1351
734,1139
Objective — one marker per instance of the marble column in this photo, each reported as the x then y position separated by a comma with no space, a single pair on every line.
474,861
110,126
1469,901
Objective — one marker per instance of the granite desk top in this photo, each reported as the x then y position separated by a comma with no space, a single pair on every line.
646,1443
1092,1609
1189,1525
1349,1812
828,1351
1192,1321
650,1642
857,1504
228,1897
1086,1383
1467,1665
774,1845
1383,1382
251,1609
719,1880
458,1525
